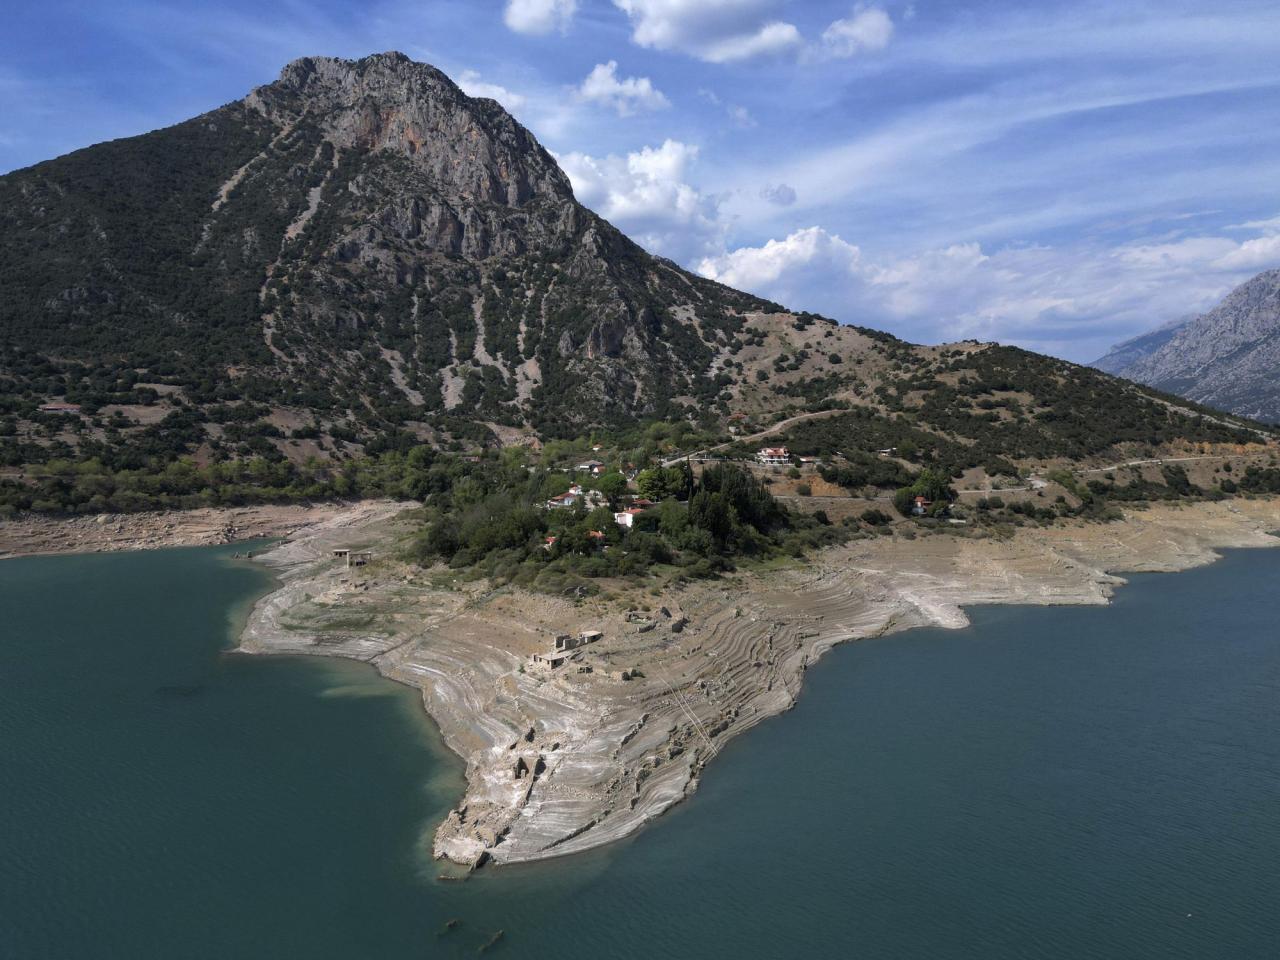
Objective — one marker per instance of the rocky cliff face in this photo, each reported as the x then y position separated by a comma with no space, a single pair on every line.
363,239
1227,358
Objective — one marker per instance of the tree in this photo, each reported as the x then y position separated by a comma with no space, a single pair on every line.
663,483
933,485
612,485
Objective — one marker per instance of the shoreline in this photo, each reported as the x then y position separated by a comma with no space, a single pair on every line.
37,535
563,762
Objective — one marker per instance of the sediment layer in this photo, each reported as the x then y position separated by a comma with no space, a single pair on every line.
562,760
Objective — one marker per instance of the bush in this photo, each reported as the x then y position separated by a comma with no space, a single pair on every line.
875,518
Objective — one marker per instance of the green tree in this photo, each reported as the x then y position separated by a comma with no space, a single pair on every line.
612,485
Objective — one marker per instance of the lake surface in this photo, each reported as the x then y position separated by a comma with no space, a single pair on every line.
1049,783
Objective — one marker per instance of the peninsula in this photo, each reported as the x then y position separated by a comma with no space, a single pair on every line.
567,757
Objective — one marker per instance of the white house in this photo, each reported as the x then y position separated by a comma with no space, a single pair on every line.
627,518
773,455
566,499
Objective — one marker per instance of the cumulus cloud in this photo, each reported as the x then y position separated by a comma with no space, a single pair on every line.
787,264
718,31
1072,301
647,194
474,86
539,16
623,94
867,30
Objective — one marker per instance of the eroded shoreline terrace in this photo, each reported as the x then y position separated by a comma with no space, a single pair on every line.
564,758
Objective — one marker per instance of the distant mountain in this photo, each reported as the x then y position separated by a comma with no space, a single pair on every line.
360,258
1126,354
1227,358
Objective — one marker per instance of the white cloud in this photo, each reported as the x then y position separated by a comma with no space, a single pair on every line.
1073,301
539,16
868,29
473,86
770,40
1268,226
788,261
625,94
647,195
1257,254
718,31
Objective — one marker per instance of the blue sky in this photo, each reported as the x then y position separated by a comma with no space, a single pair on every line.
1056,175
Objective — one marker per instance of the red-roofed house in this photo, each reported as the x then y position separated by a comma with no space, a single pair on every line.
626,518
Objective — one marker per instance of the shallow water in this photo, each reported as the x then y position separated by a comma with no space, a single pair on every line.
1057,783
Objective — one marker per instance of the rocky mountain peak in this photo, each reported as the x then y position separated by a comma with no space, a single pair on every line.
471,147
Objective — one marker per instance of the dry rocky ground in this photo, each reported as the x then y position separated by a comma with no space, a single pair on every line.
35,534
566,759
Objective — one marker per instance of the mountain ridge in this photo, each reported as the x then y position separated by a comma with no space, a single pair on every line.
1228,357
359,259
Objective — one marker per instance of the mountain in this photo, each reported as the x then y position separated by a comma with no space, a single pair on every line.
363,226
1227,358
1129,352
359,259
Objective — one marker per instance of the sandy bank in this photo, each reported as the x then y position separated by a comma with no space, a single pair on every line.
32,535
559,762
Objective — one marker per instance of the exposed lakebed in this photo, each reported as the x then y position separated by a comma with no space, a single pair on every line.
1049,782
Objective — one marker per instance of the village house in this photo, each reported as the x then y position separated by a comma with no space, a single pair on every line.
566,499
551,660
773,455
565,649
627,518
569,642
920,506
594,467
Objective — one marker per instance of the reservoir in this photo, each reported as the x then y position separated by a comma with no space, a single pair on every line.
1066,783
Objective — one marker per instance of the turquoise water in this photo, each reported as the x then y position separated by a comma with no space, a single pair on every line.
1056,783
